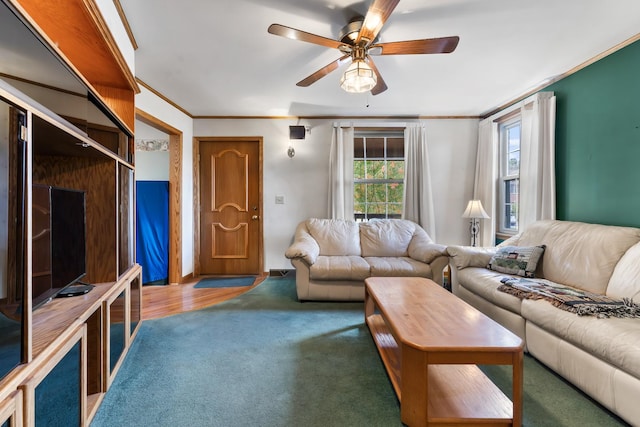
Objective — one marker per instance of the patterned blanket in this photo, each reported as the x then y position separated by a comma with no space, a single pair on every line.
577,301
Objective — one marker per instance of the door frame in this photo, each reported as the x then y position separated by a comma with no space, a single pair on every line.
175,192
197,140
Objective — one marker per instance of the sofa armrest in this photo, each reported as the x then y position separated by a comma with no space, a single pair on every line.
304,246
307,249
423,249
470,256
427,252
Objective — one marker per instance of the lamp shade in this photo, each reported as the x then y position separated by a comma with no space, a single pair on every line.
359,77
475,210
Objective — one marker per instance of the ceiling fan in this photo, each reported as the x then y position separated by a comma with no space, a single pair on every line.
358,42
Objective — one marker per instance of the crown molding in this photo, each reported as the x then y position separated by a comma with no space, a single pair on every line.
125,23
164,98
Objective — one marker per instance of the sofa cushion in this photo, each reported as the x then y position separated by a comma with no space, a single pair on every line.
339,268
518,260
387,237
625,280
485,283
615,340
398,266
335,236
578,254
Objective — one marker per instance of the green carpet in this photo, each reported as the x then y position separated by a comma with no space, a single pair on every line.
264,359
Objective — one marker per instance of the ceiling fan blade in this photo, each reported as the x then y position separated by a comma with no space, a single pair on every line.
413,47
292,33
377,15
324,71
380,86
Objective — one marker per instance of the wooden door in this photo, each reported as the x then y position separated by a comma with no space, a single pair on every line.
230,207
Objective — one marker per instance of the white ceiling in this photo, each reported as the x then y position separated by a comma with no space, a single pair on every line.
215,57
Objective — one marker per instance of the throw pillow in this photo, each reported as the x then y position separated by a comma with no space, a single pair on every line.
521,261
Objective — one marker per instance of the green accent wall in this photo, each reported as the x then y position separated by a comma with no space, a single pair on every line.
598,141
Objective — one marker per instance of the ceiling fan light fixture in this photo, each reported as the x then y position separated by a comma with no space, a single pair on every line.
358,41
358,78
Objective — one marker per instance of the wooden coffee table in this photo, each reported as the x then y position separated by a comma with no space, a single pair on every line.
430,342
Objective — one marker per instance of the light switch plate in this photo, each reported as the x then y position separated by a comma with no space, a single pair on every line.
279,200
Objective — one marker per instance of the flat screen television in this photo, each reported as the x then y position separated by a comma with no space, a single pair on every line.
58,242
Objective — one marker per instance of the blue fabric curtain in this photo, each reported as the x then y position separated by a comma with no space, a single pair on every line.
152,232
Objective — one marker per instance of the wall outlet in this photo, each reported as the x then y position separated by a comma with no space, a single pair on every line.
279,200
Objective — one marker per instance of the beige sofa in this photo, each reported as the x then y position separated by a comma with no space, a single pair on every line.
601,356
333,257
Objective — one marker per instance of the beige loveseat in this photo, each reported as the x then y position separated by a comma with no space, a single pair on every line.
601,356
333,257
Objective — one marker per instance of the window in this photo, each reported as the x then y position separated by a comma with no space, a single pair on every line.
378,172
509,195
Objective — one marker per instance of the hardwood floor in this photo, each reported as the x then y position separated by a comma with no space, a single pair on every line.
160,301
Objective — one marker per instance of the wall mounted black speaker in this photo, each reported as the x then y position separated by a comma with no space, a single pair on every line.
296,132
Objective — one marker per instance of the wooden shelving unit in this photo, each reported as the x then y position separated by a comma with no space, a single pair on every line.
11,409
74,153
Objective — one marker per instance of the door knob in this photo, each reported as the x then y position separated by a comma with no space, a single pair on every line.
255,217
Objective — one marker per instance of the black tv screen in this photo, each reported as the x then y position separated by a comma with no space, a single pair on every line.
59,241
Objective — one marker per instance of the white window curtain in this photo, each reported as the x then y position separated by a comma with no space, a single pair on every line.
537,164
418,196
341,173
486,179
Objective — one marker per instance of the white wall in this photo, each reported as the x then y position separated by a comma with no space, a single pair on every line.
452,149
156,107
144,131
303,179
151,165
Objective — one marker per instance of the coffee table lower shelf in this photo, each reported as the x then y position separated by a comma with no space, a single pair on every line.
456,394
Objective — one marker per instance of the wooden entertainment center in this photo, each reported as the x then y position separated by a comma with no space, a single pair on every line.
77,135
